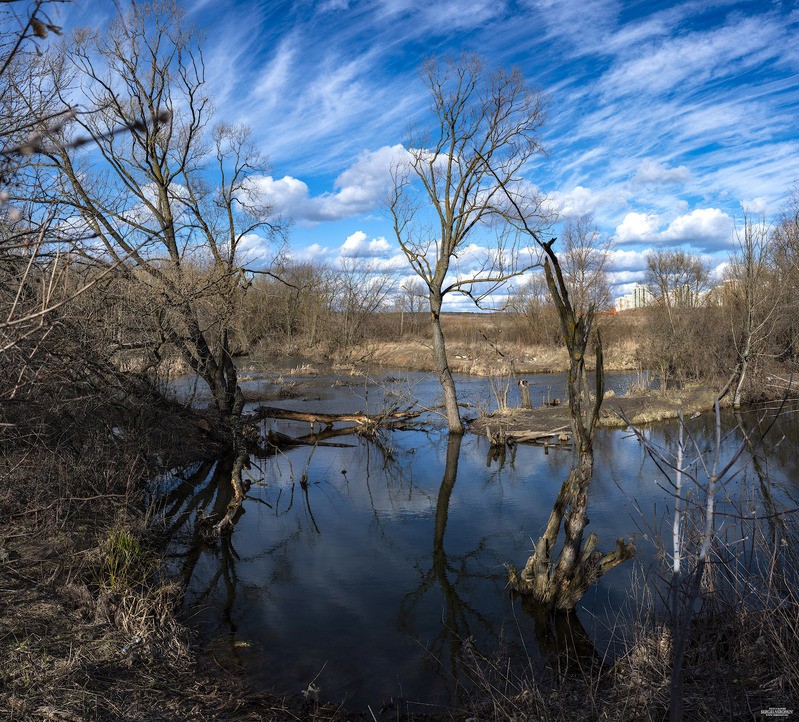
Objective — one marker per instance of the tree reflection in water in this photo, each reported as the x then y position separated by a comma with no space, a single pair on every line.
343,568
459,617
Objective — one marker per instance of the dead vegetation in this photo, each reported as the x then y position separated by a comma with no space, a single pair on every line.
741,659
89,626
545,423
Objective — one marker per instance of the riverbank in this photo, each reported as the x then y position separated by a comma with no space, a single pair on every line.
482,358
90,626
637,408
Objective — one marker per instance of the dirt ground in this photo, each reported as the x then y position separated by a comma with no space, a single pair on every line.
90,627
617,412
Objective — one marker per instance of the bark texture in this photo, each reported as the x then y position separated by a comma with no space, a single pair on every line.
559,582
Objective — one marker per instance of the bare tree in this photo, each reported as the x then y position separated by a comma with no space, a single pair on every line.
26,301
752,297
584,259
677,340
480,117
292,303
677,279
786,258
142,195
38,278
559,585
361,290
411,301
531,308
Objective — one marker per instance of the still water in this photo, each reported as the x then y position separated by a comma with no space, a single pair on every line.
364,567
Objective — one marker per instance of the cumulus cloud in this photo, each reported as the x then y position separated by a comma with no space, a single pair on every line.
707,229
359,189
755,206
620,260
703,227
357,246
581,200
254,250
637,227
652,172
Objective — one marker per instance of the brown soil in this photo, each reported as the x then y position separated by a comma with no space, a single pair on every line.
617,412
82,638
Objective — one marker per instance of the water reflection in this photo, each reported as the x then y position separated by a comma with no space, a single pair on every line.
378,559
459,619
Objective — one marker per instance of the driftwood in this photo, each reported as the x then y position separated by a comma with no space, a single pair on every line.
389,418
504,437
240,489
284,441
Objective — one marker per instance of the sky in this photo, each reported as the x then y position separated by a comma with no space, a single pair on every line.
666,120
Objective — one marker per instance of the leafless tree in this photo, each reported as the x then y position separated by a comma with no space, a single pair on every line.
533,313
446,193
752,297
361,290
142,195
786,258
411,301
560,584
37,279
676,278
677,333
585,258
290,305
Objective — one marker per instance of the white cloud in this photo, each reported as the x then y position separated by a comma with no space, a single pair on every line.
356,246
755,206
620,260
285,195
580,200
359,189
625,280
652,172
315,252
703,227
637,227
690,60
706,229
254,250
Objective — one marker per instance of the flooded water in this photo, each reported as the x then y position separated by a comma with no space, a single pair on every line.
372,569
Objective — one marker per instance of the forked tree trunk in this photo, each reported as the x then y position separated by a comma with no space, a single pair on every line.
560,584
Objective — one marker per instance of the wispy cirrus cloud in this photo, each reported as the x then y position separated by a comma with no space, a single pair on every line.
664,117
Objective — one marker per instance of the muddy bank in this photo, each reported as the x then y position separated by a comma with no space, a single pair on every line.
638,409
90,626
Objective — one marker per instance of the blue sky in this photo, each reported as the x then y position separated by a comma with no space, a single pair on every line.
665,119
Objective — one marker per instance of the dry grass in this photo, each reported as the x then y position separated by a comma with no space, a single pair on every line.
89,628
742,656
481,358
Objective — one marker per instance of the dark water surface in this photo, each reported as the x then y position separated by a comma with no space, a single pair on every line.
365,568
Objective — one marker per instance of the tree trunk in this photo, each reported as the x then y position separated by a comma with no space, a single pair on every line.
579,563
524,392
442,366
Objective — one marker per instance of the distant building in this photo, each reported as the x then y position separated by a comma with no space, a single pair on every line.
639,298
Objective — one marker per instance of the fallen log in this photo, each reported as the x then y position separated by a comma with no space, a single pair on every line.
385,419
282,441
502,437
521,437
